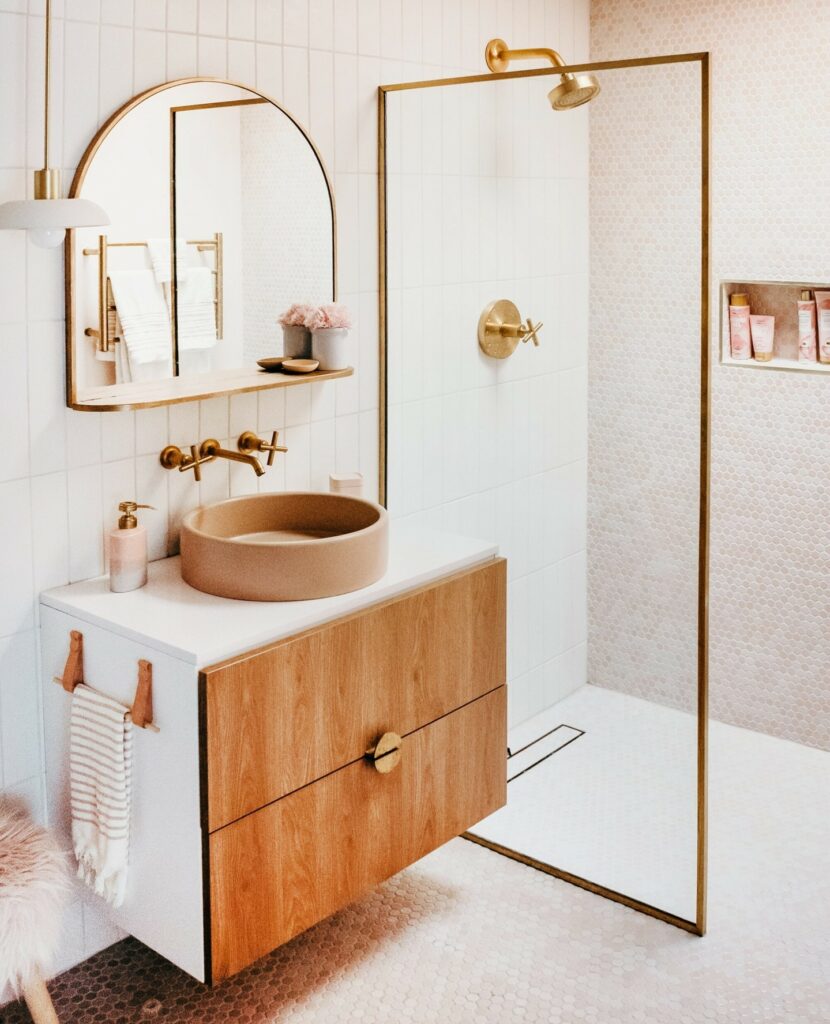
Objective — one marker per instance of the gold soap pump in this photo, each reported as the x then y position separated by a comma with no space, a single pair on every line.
127,549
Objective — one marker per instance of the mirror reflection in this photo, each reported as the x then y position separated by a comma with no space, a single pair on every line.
221,217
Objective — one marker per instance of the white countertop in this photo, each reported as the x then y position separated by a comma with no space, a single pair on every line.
170,616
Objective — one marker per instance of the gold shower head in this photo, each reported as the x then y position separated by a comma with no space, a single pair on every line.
572,91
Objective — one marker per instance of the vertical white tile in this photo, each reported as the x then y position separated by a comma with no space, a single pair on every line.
47,422
117,435
347,443
182,15
321,103
50,531
213,418
151,488
182,55
151,14
323,457
14,453
243,414
297,458
295,81
86,523
81,83
241,61
12,254
83,438
391,28
150,48
213,17
321,24
297,405
295,23
151,429
345,26
368,27
345,104
271,409
213,56
269,21
269,70
116,70
242,19
12,89
16,594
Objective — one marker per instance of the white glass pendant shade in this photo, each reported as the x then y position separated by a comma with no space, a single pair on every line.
47,219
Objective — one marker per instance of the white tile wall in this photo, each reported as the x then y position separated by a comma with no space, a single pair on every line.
61,472
488,199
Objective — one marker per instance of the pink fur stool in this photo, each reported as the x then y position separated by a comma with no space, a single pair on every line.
33,890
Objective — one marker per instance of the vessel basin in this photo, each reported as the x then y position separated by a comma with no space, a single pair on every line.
284,547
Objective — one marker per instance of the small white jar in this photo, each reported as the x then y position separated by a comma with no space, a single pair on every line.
296,342
330,347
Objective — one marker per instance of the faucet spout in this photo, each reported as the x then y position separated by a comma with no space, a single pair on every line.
212,448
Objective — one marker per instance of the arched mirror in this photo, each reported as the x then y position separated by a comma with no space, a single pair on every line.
222,215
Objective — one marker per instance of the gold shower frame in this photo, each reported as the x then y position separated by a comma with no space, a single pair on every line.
698,925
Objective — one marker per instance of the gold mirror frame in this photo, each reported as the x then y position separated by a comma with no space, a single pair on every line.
237,381
698,925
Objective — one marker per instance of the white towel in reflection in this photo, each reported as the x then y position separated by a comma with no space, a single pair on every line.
159,249
145,321
196,309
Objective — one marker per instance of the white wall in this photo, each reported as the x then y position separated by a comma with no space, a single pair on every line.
61,472
488,199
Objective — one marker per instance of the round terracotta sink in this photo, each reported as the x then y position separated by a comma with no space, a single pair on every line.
285,547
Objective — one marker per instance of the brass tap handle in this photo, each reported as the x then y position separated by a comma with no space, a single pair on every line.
249,442
385,755
172,457
532,331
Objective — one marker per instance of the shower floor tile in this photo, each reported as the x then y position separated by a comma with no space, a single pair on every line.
617,806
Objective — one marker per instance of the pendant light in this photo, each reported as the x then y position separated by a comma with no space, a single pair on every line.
47,216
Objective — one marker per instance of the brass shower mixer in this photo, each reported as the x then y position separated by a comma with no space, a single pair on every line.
501,328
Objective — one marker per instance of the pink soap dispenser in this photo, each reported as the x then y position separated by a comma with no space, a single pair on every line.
128,550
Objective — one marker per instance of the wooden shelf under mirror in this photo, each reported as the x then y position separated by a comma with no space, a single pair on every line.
147,395
773,298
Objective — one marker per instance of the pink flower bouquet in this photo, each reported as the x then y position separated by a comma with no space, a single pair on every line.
330,317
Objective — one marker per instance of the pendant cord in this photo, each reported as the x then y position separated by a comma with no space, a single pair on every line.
46,87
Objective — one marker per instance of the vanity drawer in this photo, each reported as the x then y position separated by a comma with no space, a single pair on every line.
280,870
286,715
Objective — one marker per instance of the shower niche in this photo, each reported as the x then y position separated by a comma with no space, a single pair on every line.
772,298
585,458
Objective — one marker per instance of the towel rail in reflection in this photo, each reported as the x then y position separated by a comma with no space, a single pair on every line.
105,334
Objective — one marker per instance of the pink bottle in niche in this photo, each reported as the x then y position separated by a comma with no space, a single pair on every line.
128,550
740,344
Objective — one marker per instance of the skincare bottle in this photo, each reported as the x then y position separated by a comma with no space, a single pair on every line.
807,327
739,339
763,336
128,550
823,316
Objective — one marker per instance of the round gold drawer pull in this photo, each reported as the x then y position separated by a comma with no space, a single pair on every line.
386,753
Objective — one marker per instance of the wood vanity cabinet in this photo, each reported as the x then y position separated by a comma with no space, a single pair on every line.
298,822
256,811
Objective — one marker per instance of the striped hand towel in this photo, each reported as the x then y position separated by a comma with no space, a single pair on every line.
100,767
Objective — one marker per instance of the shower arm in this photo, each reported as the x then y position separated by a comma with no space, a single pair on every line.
498,56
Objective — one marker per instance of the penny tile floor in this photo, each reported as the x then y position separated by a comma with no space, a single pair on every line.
469,936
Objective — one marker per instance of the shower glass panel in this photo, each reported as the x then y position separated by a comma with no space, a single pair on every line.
584,458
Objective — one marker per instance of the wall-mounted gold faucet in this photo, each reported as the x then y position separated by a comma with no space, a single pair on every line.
213,449
172,457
